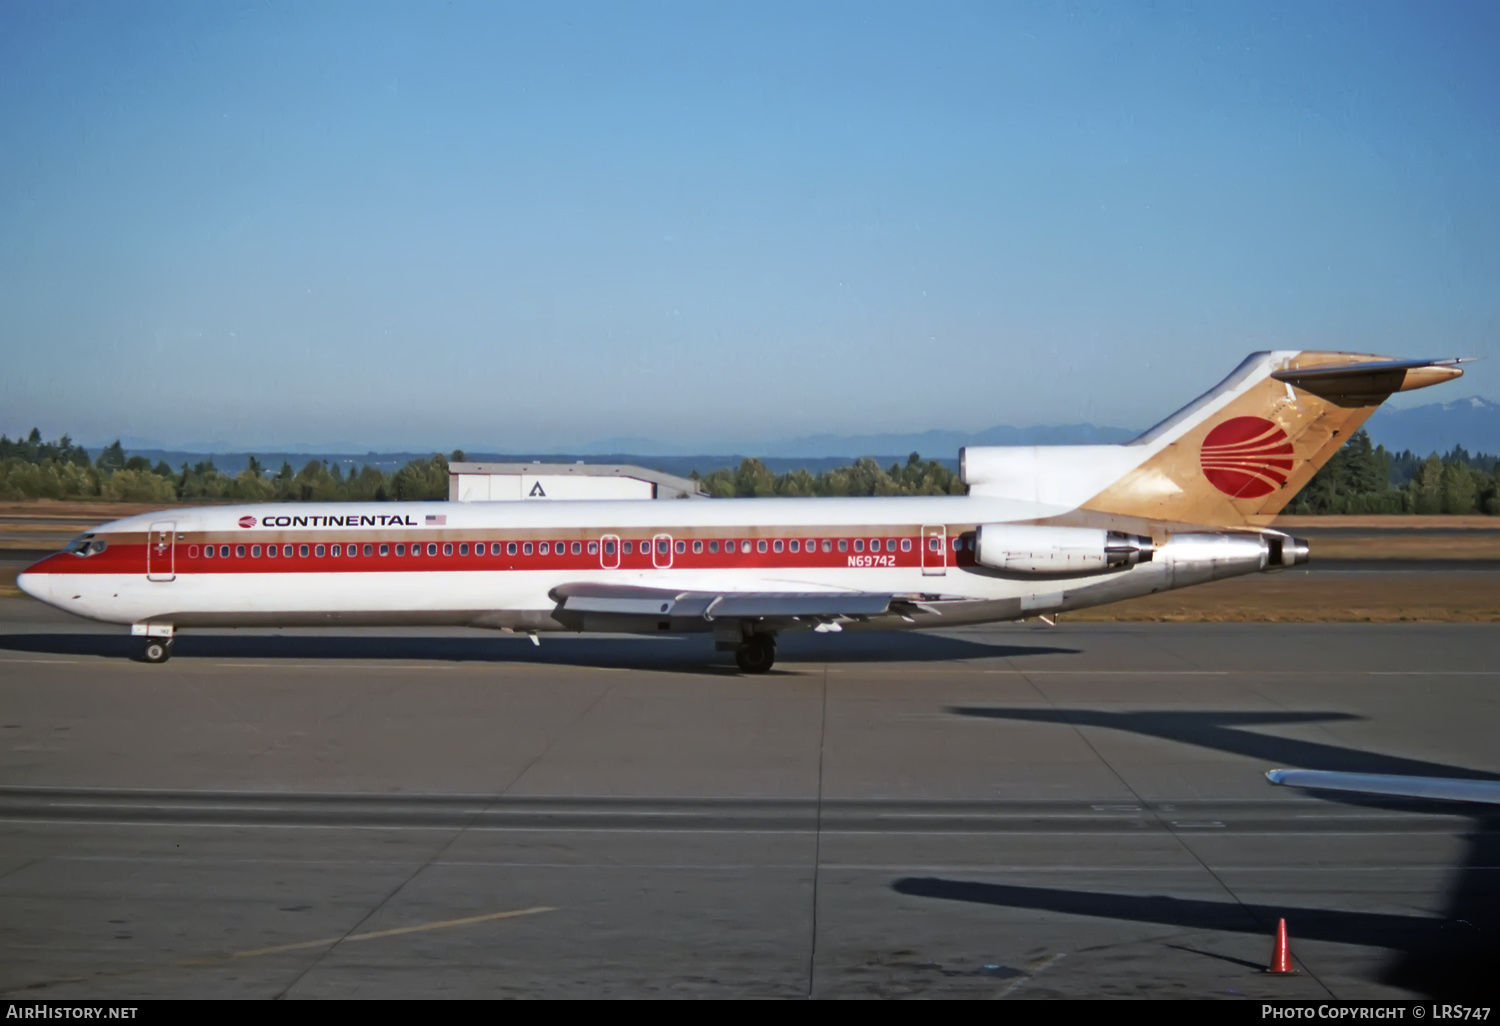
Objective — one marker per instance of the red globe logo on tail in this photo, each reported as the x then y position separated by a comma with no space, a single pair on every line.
1247,457
247,521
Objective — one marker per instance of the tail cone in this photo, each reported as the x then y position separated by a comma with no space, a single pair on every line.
1281,958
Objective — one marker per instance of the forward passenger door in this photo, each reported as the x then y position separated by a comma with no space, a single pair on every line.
161,551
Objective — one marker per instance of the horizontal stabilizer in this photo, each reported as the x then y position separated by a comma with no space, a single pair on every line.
1449,789
1356,384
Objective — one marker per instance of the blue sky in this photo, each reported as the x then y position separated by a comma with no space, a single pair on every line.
525,226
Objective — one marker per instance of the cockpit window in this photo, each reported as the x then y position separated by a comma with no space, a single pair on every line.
86,546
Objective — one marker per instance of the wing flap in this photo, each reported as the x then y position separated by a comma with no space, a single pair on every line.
712,605
772,603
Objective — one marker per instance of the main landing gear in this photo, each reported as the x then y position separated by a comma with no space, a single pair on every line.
157,650
757,654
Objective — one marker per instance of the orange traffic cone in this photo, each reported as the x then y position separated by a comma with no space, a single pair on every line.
1281,958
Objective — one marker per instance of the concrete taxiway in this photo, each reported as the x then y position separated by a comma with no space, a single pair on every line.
1014,811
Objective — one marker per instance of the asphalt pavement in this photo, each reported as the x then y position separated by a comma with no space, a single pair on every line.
1016,811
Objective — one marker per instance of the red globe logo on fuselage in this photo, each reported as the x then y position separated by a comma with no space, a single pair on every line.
1246,457
247,521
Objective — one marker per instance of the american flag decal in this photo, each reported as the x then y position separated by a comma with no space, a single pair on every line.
440,520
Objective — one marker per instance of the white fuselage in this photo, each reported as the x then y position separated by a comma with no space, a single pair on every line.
497,564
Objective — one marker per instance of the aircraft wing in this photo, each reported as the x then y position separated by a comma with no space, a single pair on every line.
627,600
1443,788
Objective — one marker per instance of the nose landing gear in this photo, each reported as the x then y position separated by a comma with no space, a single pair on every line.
757,654
156,640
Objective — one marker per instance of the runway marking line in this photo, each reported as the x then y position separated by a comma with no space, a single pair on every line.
69,662
1033,970
372,935
303,945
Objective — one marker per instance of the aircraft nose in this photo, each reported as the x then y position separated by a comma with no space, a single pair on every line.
38,586
36,581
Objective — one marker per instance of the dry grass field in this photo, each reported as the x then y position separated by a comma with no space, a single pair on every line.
1295,596
1398,538
1429,595
45,524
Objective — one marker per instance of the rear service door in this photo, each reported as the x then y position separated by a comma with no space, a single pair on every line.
935,550
161,551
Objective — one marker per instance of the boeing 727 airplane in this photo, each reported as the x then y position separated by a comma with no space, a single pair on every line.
1042,530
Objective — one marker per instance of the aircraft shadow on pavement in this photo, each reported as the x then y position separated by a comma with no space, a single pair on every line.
1224,732
1447,957
694,654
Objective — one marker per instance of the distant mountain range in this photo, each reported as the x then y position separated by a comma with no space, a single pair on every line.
931,444
1473,423
947,443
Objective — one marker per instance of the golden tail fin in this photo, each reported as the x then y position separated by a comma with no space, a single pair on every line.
1238,455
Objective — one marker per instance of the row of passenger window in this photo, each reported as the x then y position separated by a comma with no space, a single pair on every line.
748,545
730,545
385,549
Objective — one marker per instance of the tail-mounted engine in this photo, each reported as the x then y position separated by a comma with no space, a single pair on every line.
1026,549
1075,551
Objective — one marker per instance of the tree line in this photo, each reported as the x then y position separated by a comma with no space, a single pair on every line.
1360,478
862,477
35,469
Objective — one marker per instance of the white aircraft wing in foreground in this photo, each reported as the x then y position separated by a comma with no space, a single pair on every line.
1449,789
